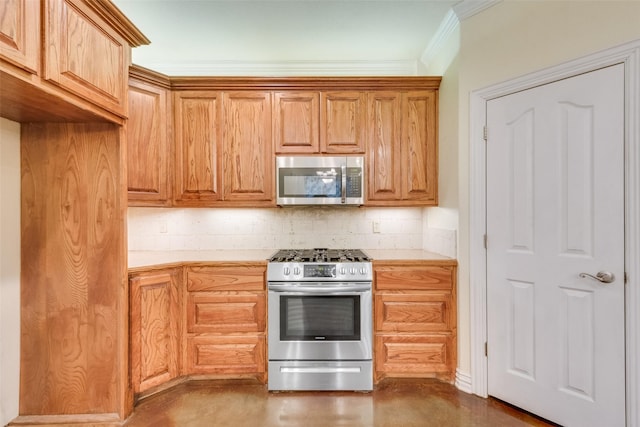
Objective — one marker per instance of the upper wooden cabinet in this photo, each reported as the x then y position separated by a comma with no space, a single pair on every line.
343,122
19,34
247,148
295,122
320,122
402,148
148,139
65,60
198,147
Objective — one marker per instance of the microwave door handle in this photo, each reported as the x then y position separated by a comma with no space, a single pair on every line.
344,183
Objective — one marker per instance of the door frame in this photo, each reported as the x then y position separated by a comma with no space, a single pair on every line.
629,55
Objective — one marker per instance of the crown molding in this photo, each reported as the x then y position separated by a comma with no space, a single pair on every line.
448,25
285,68
467,8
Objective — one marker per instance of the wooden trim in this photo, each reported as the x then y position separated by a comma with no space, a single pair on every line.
119,21
147,75
106,419
304,83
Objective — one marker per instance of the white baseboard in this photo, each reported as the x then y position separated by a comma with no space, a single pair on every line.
463,381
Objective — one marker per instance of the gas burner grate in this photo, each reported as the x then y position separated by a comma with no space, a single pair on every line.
320,255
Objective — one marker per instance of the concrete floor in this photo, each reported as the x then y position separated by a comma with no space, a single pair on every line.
405,403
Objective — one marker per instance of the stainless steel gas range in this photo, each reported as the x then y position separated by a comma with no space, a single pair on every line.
320,320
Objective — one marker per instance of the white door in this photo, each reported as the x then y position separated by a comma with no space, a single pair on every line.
555,209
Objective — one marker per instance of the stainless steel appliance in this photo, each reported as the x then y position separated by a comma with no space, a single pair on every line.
320,320
319,180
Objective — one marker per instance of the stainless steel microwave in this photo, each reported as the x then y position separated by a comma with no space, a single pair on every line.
319,180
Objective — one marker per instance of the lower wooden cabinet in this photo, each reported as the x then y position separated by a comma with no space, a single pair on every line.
415,319
155,323
226,320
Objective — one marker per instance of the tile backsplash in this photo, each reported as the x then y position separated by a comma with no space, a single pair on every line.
299,227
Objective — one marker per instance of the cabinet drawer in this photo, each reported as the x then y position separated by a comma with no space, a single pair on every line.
414,278
414,313
228,313
414,355
226,355
240,278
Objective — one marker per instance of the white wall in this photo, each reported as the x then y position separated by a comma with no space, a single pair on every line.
511,39
277,228
9,269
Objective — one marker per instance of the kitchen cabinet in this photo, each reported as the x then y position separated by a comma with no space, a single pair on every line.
247,148
155,327
19,30
402,148
415,319
226,320
149,160
65,60
319,122
198,147
296,117
342,122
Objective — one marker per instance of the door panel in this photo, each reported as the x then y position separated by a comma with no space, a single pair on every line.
555,209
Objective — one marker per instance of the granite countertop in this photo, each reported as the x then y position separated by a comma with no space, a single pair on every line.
138,259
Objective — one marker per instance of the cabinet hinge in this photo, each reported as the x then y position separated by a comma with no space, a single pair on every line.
484,133
484,238
486,349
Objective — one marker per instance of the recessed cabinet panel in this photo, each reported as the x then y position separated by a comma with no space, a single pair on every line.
197,116
342,122
84,56
384,146
295,122
148,150
225,355
415,355
420,154
19,33
247,147
414,312
245,278
227,313
413,277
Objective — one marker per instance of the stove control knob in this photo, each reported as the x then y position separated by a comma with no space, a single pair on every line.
296,271
343,271
286,271
352,271
363,270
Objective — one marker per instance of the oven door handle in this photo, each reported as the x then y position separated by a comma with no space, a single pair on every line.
323,289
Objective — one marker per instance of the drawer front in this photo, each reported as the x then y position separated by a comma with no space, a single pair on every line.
228,313
226,355
420,355
413,278
241,278
414,313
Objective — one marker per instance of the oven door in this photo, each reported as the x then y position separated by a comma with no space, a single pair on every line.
320,321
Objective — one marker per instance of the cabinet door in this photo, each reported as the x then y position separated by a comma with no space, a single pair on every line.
154,328
342,122
247,147
432,355
20,33
197,147
148,150
84,55
295,122
226,355
420,148
383,151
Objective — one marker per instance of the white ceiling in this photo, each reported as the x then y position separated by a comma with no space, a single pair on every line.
280,37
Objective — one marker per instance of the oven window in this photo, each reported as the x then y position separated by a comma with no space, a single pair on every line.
320,318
